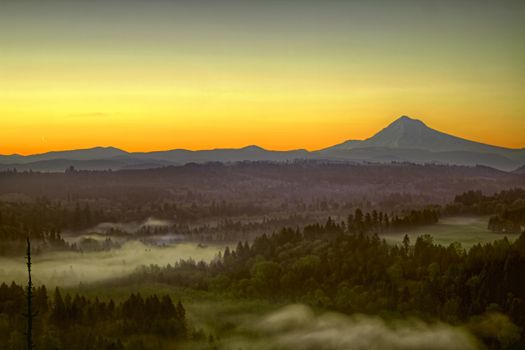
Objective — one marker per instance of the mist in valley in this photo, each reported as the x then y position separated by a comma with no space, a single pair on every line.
72,268
95,260
262,175
296,326
130,227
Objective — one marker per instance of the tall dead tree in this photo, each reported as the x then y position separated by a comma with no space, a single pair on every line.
29,315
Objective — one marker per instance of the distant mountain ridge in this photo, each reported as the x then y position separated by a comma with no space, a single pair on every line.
408,133
78,154
408,139
405,139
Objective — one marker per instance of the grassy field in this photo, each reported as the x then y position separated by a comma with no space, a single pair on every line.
466,230
215,315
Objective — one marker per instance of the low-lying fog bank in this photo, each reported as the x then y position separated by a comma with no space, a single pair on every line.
297,327
72,268
105,256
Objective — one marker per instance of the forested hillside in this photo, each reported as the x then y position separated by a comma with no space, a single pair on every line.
75,322
330,267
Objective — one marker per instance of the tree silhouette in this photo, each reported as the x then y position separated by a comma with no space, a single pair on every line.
29,315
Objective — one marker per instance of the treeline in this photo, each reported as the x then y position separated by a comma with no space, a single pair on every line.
261,188
359,221
75,322
42,221
476,203
37,220
506,207
376,222
330,267
511,220
43,214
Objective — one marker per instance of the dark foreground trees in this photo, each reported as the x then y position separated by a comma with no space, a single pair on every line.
75,322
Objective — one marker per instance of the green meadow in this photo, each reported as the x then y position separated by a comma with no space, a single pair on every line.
465,230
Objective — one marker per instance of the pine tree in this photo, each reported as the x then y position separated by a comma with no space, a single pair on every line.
58,313
29,315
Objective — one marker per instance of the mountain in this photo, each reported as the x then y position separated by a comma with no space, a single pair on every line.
79,154
100,158
408,133
59,165
404,140
408,139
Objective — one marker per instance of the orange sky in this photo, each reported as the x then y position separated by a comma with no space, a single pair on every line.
162,75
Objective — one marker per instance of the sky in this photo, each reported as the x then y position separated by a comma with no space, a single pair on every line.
160,74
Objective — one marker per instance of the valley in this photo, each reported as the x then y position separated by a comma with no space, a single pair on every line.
262,175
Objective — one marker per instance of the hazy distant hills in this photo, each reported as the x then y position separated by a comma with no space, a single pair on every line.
254,153
103,158
406,139
80,154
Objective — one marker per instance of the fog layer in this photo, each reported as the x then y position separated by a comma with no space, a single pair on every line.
72,268
298,327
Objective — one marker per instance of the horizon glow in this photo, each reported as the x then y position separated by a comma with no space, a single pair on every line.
156,75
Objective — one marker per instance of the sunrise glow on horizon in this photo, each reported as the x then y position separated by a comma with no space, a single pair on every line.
157,75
